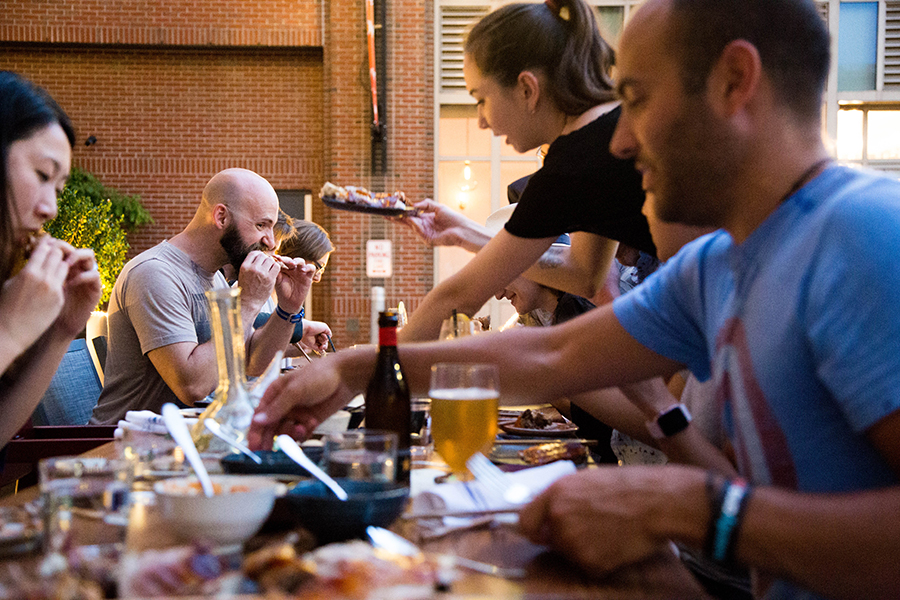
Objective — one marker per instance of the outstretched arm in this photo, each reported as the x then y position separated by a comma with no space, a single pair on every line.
440,225
536,364
579,269
503,259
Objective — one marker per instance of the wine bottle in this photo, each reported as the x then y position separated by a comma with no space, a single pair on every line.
387,396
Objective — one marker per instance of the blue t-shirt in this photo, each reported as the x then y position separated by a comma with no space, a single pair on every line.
799,327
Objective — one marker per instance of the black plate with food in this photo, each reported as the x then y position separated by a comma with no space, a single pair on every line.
365,208
556,430
359,199
534,423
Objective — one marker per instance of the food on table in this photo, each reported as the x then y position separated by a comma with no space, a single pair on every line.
179,571
16,583
541,454
193,488
361,196
348,570
532,419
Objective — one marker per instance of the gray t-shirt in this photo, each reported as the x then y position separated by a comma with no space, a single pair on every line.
158,300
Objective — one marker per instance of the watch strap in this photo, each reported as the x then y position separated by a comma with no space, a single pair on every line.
670,421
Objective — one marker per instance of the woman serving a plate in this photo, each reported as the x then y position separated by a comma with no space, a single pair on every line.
540,75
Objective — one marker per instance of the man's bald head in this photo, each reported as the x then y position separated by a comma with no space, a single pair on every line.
236,187
243,208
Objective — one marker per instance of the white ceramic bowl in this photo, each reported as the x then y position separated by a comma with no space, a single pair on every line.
237,510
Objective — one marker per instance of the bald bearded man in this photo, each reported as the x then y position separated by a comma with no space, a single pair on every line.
160,346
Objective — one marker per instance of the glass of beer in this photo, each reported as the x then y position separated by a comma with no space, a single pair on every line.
464,399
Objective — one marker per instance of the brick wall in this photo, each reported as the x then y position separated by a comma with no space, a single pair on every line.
175,91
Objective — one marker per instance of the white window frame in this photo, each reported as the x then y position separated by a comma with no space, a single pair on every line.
883,94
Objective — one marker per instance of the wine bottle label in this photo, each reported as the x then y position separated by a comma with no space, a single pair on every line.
387,336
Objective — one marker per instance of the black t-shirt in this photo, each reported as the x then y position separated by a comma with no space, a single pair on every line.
582,187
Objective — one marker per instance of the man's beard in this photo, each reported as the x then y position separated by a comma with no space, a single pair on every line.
695,183
235,248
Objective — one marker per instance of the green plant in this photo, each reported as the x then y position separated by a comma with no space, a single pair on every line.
86,224
128,207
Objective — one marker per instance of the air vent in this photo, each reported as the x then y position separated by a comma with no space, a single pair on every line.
455,22
892,46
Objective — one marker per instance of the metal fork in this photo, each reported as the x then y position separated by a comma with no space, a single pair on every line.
496,481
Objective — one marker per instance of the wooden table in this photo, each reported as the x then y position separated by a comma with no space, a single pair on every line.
548,576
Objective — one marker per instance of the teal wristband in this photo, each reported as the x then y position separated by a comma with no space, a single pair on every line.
734,500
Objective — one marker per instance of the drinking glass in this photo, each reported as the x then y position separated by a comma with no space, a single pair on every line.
420,441
464,399
85,500
154,456
363,454
461,326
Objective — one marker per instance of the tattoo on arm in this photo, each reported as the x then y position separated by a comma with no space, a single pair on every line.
551,259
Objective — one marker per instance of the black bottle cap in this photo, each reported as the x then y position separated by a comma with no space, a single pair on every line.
388,318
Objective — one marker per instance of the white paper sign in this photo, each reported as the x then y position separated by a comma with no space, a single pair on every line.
379,261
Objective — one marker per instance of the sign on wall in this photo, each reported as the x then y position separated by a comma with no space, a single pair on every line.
379,261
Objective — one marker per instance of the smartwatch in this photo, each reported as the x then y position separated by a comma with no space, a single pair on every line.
670,421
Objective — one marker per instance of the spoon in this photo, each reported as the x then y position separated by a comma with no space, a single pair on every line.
216,430
178,429
295,452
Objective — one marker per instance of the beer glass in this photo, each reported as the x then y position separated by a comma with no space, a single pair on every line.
464,399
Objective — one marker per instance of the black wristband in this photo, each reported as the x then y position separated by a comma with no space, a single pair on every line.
715,493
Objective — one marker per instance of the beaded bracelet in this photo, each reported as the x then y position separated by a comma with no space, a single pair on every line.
727,507
291,318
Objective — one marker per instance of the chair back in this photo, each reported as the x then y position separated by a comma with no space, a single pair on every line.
96,330
73,392
99,346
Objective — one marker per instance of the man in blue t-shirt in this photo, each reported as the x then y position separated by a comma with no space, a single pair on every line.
791,308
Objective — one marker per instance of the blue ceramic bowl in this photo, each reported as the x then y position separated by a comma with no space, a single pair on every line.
317,509
273,463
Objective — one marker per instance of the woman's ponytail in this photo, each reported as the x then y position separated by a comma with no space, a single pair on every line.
559,38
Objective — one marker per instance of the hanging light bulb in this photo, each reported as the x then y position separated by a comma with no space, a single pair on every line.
468,184
462,199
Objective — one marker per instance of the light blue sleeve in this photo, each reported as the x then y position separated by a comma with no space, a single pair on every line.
665,312
853,312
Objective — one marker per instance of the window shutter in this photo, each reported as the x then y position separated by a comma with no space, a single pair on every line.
892,45
455,21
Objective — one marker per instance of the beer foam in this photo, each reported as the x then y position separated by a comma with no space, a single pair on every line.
464,394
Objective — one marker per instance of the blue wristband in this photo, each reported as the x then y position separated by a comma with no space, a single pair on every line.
734,500
291,318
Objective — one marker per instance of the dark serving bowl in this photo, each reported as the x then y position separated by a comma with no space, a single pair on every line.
273,463
317,509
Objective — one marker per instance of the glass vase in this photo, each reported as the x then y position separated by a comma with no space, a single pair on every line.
231,407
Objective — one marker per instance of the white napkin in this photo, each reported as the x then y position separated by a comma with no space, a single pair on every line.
470,496
146,421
